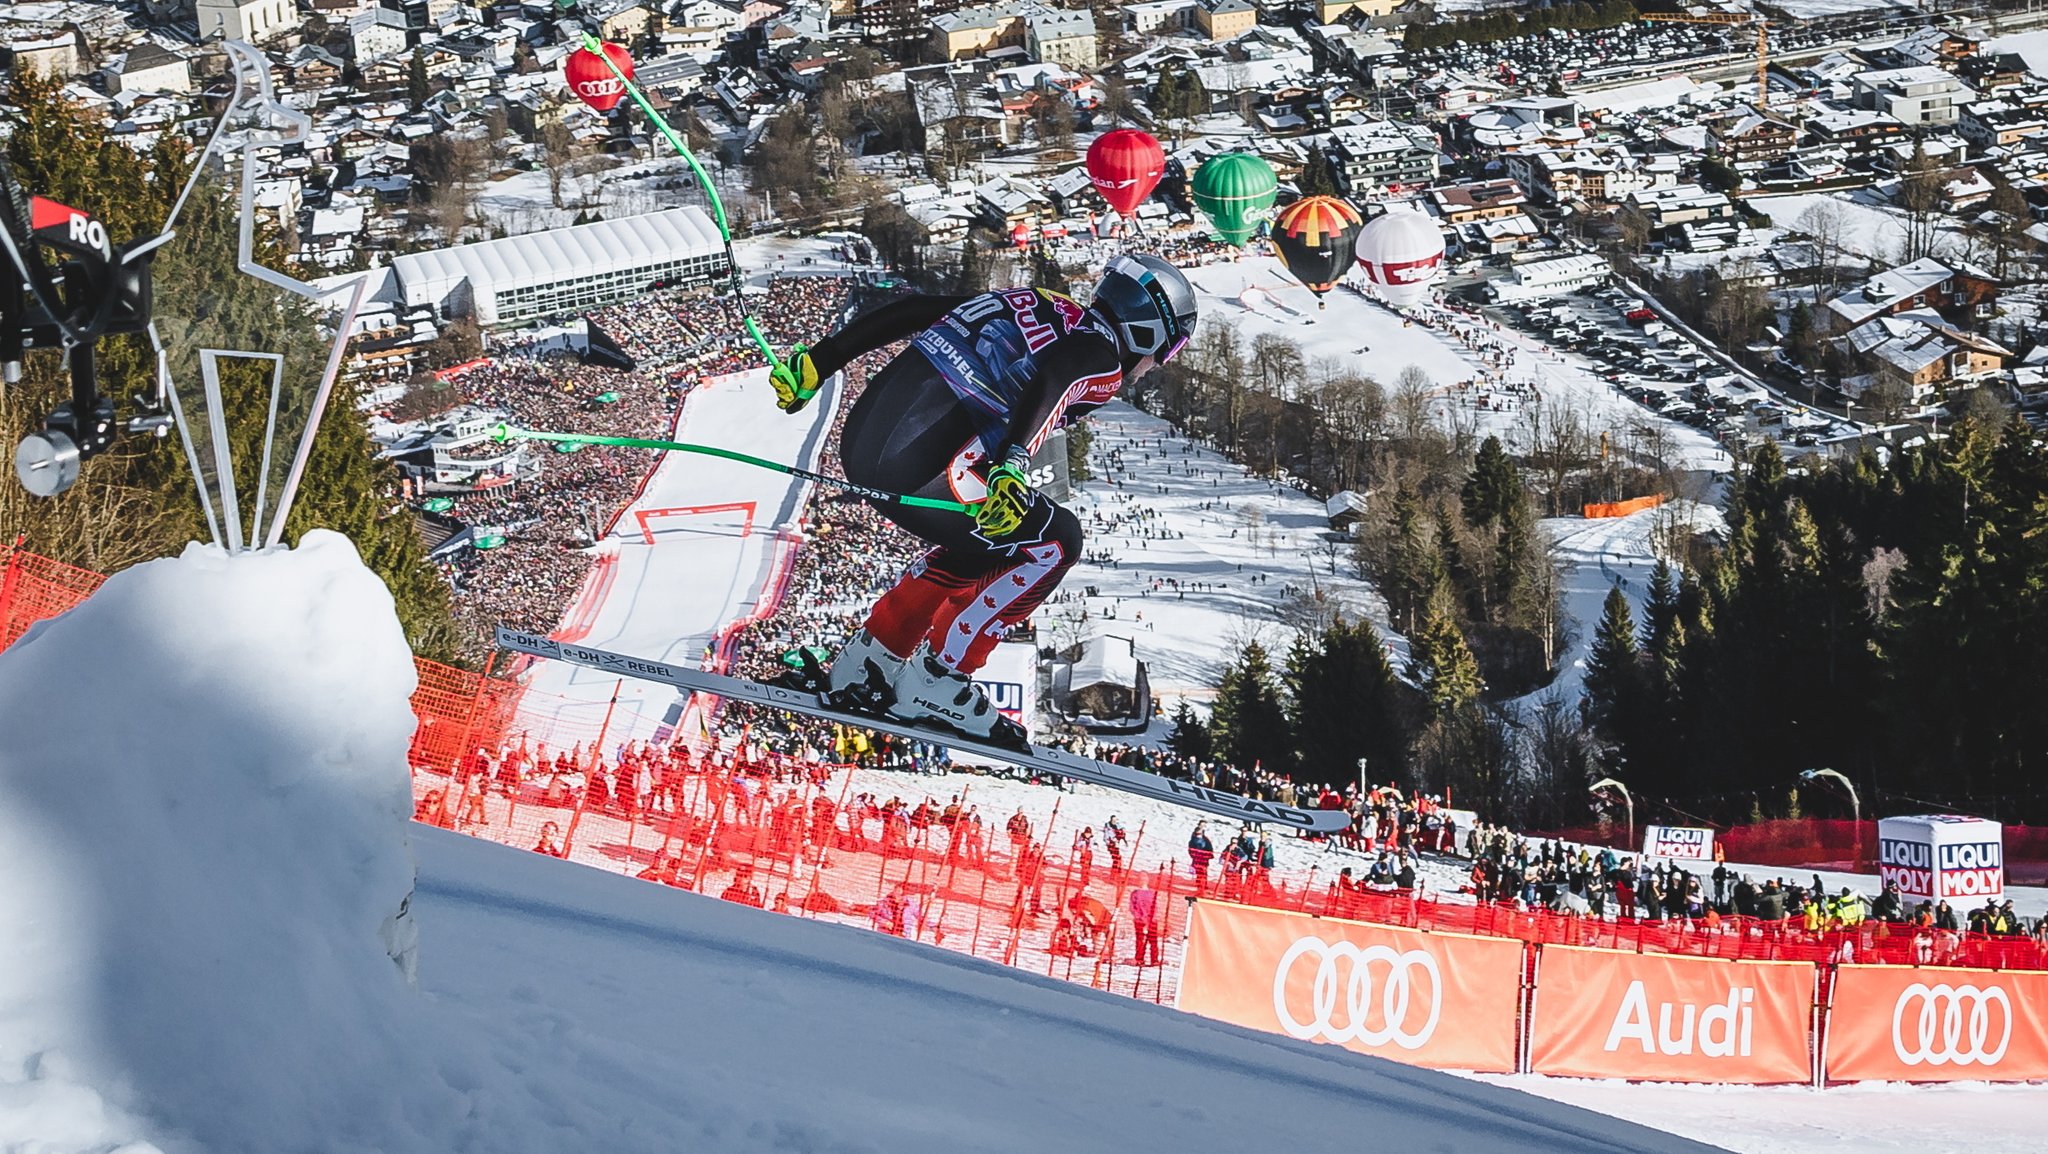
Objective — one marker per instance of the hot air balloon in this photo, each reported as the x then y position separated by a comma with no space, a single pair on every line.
1235,191
591,79
1400,252
1315,236
1125,165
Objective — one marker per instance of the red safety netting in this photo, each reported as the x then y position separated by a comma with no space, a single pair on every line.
1814,843
33,588
497,762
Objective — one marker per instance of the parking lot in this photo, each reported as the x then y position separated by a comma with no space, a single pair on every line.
1614,335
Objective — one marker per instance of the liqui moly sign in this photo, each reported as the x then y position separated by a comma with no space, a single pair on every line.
1676,841
1942,857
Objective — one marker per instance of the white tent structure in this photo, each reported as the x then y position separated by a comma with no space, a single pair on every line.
562,270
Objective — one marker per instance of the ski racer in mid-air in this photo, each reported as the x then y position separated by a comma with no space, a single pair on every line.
958,415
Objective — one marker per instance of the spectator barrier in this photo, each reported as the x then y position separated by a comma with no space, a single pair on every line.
797,830
1669,1018
1621,508
1458,1002
1811,842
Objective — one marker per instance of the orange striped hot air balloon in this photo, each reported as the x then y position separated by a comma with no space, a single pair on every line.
1315,236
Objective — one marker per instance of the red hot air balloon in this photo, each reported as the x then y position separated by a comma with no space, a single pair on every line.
592,80
1126,165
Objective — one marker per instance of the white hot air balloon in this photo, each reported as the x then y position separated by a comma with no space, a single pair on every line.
1400,252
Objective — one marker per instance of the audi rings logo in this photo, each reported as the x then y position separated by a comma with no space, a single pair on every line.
1351,975
598,89
1950,1024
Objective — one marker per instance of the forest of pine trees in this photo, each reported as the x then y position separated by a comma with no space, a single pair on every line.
138,501
1883,620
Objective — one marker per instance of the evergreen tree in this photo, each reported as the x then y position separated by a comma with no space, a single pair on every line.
1249,723
1194,96
1660,608
1344,702
138,500
1440,660
1166,92
1614,669
1191,737
1318,176
416,86
973,274
1492,487
1046,272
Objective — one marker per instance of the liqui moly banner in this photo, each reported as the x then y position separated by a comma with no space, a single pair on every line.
1922,1024
1668,1018
1943,856
1678,841
1427,999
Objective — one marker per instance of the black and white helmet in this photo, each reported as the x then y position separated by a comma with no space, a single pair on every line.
1149,303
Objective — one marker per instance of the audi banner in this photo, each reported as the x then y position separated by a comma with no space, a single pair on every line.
1922,1024
1440,1000
1669,1018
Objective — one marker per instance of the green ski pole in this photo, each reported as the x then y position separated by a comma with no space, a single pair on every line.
508,433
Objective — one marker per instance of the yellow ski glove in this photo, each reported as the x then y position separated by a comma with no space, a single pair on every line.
795,380
1009,494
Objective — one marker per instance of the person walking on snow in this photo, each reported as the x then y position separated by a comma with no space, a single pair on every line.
957,416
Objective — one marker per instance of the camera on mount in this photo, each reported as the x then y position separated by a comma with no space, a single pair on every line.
93,289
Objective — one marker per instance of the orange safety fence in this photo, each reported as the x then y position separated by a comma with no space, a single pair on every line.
1622,508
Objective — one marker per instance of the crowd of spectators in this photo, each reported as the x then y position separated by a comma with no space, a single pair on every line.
559,504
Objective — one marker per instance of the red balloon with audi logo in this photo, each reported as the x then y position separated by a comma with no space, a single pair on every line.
1427,999
1934,1024
593,81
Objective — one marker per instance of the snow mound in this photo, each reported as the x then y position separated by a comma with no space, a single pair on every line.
203,815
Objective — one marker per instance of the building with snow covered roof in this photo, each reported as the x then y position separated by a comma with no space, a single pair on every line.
250,20
564,270
1382,154
1160,16
1921,284
1221,20
1061,36
1922,94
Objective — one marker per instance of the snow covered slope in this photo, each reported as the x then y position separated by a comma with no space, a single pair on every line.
667,600
714,1026
203,829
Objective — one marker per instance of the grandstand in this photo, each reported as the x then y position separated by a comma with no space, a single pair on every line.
560,271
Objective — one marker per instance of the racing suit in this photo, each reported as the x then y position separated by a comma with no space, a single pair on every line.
986,378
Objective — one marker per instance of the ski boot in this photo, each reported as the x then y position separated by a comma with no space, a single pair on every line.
863,676
929,694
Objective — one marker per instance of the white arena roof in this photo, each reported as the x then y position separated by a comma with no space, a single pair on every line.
494,268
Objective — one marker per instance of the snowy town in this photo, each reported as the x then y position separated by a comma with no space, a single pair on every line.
1563,572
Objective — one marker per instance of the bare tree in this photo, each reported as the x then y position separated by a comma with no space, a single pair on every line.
1920,193
1825,228
559,148
1412,389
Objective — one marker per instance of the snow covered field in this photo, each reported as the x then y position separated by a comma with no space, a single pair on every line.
1513,376
1870,230
1252,529
1598,554
705,569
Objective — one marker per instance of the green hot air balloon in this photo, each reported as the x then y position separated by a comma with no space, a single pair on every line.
1235,191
